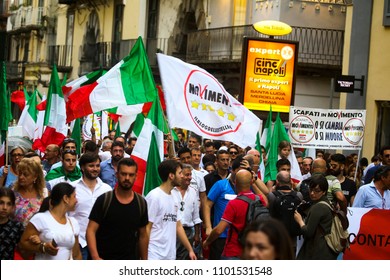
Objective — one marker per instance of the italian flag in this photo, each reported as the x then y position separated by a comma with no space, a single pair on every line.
279,134
125,115
5,112
29,116
74,85
76,134
129,82
148,152
261,165
55,116
267,132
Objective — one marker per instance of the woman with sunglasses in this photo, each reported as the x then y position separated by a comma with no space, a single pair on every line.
317,224
233,152
9,173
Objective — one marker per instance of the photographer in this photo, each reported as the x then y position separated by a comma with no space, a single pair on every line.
283,202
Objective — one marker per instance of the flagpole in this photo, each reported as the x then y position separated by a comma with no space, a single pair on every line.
6,149
171,145
357,166
101,125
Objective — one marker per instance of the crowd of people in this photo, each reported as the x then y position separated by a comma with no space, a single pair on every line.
61,206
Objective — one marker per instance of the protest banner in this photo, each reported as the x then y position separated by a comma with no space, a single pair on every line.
326,129
369,234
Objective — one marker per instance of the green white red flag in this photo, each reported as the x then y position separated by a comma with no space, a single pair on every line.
148,152
28,118
87,79
129,82
279,134
56,128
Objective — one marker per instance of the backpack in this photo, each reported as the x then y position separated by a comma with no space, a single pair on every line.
337,239
256,212
283,209
108,199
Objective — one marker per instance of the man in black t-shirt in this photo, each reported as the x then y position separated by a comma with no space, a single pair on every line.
117,223
337,168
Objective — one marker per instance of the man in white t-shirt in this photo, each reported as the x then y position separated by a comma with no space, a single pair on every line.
188,201
164,220
88,188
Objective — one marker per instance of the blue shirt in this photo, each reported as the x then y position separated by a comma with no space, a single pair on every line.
11,177
220,194
369,197
370,173
107,173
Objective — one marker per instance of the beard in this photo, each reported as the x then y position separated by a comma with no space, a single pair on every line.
335,172
125,185
90,175
116,158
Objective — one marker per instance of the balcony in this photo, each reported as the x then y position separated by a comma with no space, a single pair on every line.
25,19
15,71
4,6
320,48
107,54
61,56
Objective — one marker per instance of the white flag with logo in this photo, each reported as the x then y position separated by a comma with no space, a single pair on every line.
196,101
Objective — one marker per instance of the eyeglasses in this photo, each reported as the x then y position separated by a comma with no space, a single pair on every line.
17,155
315,191
233,153
182,206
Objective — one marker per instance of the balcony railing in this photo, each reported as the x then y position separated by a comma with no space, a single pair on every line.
107,54
14,70
60,55
316,46
25,17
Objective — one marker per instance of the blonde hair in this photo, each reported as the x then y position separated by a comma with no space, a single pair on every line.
30,166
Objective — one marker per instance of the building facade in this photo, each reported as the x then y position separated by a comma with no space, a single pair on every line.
367,35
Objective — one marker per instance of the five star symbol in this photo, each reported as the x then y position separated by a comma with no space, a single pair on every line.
194,104
220,112
231,117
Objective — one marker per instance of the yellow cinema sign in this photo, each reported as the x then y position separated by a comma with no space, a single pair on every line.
272,27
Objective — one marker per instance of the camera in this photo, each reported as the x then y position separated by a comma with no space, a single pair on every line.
303,207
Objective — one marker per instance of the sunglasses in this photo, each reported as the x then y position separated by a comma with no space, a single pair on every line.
72,152
233,153
182,206
68,140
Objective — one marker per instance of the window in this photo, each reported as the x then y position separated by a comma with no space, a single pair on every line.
382,133
386,13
